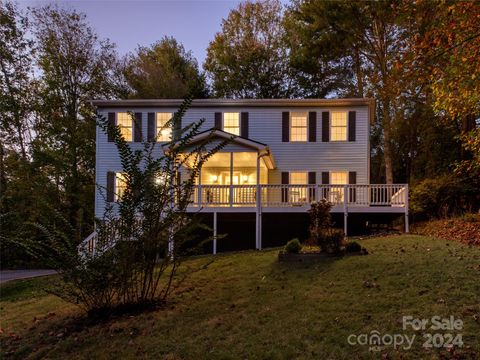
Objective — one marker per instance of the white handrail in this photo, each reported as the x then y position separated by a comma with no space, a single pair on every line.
287,195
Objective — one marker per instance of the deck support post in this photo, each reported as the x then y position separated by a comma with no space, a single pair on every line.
199,188
258,210
214,232
345,211
231,180
407,230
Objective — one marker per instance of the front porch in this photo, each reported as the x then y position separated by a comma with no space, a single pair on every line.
243,178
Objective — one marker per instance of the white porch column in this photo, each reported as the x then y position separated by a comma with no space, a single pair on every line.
345,210
199,188
407,230
231,180
258,209
214,232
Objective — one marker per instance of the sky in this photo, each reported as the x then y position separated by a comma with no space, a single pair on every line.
131,23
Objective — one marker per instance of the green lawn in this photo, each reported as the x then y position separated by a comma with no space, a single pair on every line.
247,305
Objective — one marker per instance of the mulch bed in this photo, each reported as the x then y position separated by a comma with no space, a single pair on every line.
462,229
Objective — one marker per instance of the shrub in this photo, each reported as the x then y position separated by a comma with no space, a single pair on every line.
442,196
327,238
331,240
139,241
353,246
293,246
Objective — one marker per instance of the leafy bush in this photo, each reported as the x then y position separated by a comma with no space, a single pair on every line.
353,246
327,238
443,196
331,240
139,241
293,246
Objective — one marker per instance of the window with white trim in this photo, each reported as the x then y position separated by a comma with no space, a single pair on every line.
231,123
164,132
298,126
120,185
125,123
338,126
337,178
298,194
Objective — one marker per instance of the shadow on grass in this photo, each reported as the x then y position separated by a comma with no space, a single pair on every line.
24,289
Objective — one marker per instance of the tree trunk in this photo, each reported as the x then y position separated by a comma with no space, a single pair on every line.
387,149
358,71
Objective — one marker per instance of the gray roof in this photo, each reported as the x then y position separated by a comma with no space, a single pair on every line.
218,103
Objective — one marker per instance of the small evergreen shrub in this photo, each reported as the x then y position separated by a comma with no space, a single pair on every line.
293,246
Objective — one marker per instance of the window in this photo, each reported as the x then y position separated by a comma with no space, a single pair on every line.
125,122
298,178
337,178
164,133
338,127
298,127
231,123
120,185
298,194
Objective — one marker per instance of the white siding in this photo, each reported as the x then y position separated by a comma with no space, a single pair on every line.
265,126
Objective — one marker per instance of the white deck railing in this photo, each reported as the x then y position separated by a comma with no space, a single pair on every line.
280,195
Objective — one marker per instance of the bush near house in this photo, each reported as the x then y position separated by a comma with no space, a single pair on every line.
293,246
443,196
321,229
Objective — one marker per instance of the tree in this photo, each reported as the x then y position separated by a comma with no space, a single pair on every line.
74,66
366,35
164,71
249,57
15,80
319,58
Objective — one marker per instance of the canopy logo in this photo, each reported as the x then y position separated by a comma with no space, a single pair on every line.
436,333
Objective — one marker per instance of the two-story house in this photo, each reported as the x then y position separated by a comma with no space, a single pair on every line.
286,153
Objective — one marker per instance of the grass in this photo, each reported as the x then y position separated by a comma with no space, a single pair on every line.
247,305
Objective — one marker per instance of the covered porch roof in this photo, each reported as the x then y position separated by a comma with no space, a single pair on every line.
243,144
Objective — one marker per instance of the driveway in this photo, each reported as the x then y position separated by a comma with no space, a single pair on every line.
8,275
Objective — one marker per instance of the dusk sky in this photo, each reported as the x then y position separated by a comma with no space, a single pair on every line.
129,23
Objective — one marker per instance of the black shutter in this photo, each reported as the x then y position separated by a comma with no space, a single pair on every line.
312,180
244,125
352,180
151,128
312,126
111,123
110,186
325,177
218,121
137,127
325,181
285,126
352,115
325,126
285,180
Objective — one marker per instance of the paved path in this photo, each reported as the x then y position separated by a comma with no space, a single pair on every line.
8,275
